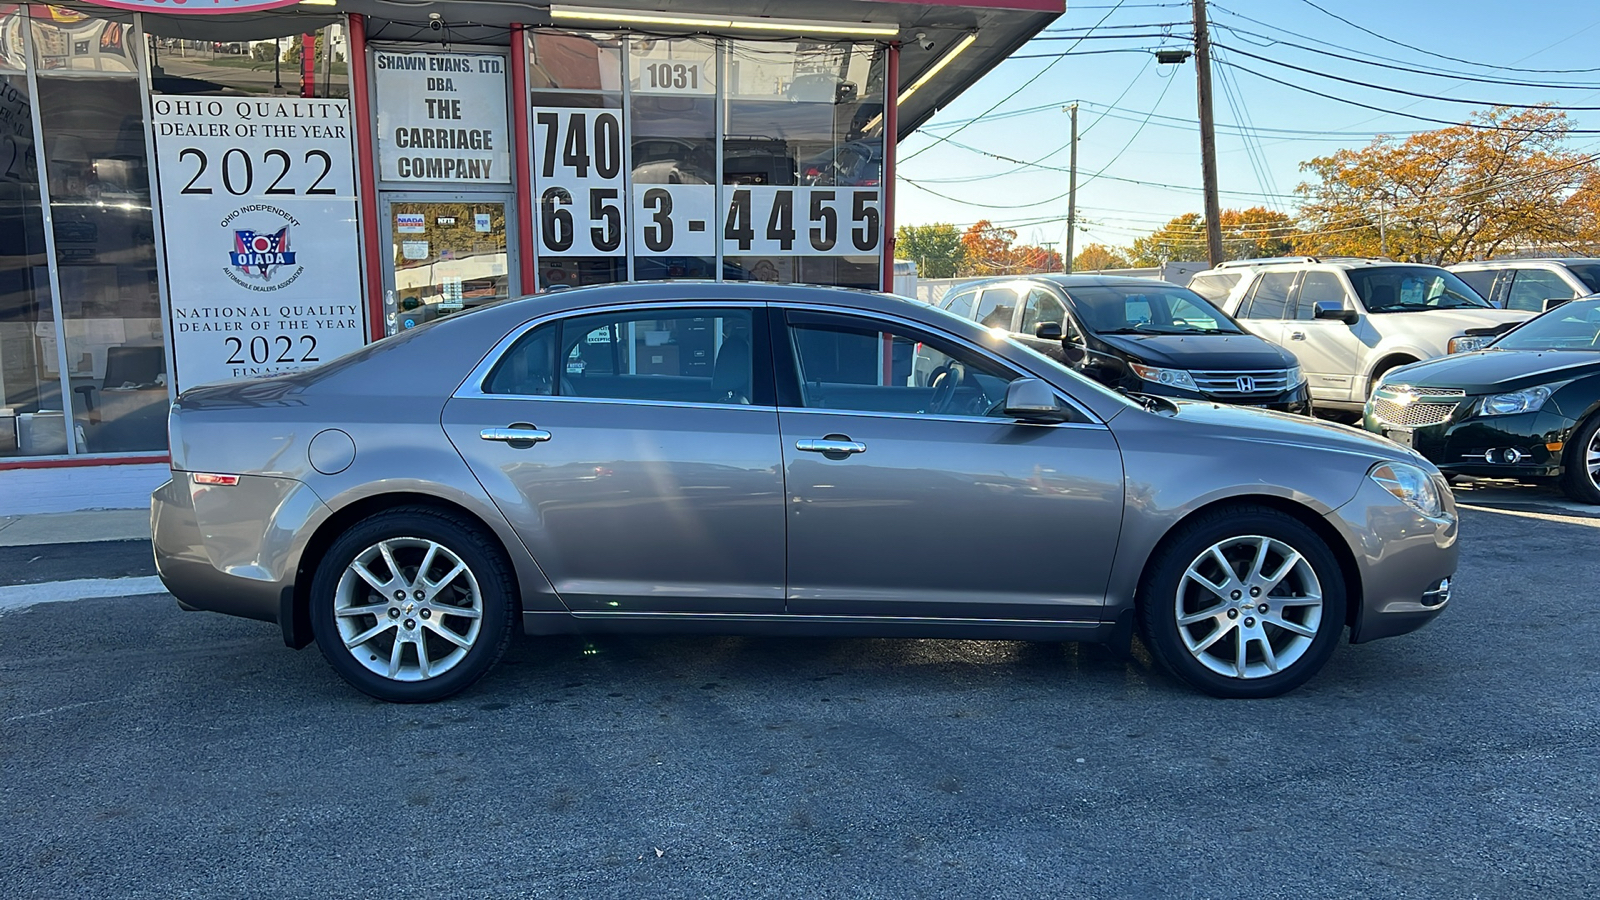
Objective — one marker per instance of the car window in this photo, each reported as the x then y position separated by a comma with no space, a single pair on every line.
960,303
1394,289
687,356
1570,326
1589,274
995,307
1480,280
1042,306
1214,286
529,367
1269,296
1318,287
1530,288
1146,307
858,364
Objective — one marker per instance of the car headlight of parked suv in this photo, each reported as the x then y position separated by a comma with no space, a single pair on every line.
1295,377
1178,378
1467,343
1523,401
1411,485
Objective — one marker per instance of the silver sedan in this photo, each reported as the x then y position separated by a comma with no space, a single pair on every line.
759,459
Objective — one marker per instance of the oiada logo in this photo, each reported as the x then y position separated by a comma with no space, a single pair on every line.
259,254
260,258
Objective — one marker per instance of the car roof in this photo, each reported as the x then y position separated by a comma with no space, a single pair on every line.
1546,260
1067,280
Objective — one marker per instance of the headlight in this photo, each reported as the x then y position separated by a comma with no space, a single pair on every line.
1177,378
1410,485
1470,342
1526,400
1295,377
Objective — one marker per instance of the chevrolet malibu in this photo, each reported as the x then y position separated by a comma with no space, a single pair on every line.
759,459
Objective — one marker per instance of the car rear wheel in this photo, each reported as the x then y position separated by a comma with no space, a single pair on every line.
1580,477
1244,602
413,605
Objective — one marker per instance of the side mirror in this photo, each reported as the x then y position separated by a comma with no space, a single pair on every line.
1333,309
1032,400
1047,331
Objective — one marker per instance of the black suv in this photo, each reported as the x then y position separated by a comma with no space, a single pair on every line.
1139,335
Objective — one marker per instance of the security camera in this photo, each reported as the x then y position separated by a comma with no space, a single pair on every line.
435,22
923,42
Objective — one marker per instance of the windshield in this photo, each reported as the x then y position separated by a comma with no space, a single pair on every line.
1570,326
1386,289
1159,308
1588,274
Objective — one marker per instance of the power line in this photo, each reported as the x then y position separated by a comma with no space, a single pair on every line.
1387,39
1020,89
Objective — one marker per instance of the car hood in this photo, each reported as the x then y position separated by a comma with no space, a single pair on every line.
1497,371
1214,352
1459,319
1268,427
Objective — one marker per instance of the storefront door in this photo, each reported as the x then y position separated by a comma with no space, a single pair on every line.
449,253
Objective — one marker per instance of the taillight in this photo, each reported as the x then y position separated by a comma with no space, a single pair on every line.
214,479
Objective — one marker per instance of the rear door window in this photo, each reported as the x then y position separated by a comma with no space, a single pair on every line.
1532,287
1269,296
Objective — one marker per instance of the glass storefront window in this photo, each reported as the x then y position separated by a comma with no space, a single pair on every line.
448,256
573,62
66,41
32,422
314,63
98,176
673,147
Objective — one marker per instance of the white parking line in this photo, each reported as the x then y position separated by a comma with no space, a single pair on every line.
1590,521
21,596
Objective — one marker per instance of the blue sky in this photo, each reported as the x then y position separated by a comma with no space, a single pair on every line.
1124,148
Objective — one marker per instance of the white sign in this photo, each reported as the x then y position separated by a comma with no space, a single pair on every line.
410,223
767,220
481,222
258,208
673,67
442,117
577,161
675,219
414,249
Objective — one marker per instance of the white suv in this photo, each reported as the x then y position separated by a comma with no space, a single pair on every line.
1350,320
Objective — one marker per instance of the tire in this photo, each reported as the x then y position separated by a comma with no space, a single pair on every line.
1580,471
1184,578
450,623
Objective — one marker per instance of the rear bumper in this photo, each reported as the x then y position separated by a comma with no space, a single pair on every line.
1402,556
232,550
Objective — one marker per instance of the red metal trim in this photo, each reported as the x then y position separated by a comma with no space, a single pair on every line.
78,462
891,139
366,160
519,141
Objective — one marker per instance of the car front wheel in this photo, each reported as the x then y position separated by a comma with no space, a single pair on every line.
1243,602
413,605
1580,477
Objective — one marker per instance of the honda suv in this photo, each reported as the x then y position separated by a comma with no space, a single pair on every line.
1139,335
1349,321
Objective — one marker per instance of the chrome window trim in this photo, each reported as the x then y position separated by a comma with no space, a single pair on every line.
955,339
925,417
472,386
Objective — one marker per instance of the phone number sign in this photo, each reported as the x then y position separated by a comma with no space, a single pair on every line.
579,156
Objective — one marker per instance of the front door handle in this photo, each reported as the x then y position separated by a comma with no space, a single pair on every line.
518,434
831,445
1297,335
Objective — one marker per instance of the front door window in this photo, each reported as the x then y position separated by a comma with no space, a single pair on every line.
447,256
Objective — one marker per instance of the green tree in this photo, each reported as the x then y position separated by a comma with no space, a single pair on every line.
936,249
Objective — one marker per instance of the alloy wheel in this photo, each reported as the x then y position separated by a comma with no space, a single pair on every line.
408,609
1248,607
1592,459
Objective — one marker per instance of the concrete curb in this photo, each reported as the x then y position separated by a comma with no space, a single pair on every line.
75,527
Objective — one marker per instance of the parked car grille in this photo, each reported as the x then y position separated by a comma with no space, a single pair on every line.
1415,407
1242,384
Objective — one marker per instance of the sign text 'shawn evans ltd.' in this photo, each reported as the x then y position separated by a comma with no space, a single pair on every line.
258,211
442,117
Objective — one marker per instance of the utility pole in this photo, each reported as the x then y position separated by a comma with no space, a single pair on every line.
1072,191
1208,134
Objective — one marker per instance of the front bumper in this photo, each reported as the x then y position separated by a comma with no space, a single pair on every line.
1481,446
232,550
1403,557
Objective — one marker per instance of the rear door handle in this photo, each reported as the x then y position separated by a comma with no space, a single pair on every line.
516,434
1297,335
831,446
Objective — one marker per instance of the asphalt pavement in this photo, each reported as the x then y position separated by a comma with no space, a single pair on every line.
148,752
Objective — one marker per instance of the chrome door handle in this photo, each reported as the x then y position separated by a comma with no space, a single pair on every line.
1297,335
524,435
830,446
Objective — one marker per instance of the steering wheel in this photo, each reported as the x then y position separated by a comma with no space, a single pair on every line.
944,387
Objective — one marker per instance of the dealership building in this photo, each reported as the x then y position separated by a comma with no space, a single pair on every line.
194,191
